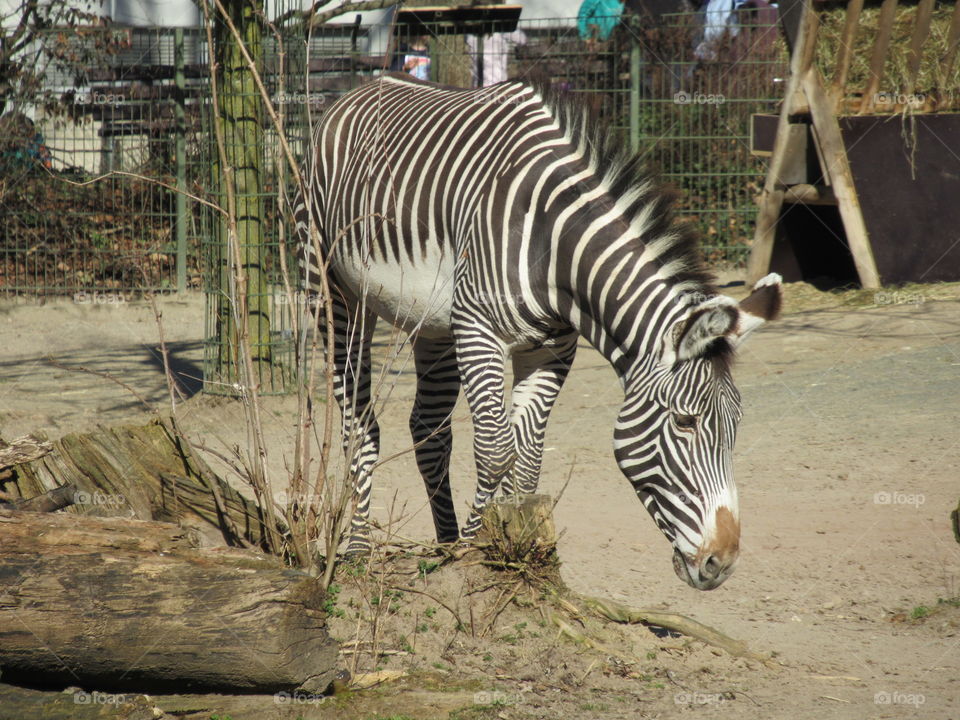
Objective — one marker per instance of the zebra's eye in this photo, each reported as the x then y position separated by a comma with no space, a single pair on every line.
685,422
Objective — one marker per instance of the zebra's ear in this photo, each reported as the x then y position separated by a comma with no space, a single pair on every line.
762,305
706,321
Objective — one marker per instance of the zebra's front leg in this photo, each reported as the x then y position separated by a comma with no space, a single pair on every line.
481,360
438,385
353,330
538,375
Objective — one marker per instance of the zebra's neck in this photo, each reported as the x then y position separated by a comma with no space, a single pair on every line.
623,293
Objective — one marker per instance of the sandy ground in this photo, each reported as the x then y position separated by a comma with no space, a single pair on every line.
847,465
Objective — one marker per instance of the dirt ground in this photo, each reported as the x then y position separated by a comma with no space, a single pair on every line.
847,465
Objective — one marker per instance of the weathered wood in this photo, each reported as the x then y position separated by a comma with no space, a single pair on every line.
23,449
771,198
147,472
55,499
921,31
845,53
519,528
953,42
878,58
826,132
120,604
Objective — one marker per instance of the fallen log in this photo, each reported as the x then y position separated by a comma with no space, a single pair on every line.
146,472
116,604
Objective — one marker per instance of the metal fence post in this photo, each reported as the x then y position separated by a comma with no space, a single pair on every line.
181,152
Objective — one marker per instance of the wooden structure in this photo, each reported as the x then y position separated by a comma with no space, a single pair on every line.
888,180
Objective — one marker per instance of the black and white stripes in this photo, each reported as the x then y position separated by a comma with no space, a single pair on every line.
492,224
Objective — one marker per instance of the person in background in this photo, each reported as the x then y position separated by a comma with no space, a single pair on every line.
719,21
21,145
598,18
416,58
491,55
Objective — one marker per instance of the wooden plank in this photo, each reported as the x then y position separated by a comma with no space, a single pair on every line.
771,198
878,59
953,42
845,53
826,132
921,31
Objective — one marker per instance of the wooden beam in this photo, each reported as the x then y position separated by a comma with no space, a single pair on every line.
826,132
953,41
771,198
921,31
878,59
845,52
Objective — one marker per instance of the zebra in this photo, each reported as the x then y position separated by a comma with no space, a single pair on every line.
495,225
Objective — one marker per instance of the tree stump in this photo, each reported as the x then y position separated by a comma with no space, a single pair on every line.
117,604
518,532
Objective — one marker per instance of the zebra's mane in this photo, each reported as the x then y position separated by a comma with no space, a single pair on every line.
677,244
626,174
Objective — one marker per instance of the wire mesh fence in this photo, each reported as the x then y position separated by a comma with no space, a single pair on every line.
111,101
136,105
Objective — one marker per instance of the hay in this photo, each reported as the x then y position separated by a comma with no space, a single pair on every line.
940,90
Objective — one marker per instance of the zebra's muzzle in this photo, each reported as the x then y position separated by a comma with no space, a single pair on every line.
707,575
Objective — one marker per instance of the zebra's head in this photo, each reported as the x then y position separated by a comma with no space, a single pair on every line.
674,436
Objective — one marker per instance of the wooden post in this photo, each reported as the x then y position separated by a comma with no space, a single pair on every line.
771,198
826,133
921,31
845,53
878,59
953,42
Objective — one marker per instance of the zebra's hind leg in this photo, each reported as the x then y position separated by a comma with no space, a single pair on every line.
353,330
438,385
481,360
538,375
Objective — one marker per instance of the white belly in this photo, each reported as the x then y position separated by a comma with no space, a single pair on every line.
416,298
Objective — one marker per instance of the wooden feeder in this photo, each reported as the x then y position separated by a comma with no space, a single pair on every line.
862,184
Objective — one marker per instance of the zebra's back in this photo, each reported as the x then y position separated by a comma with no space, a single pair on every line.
409,178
